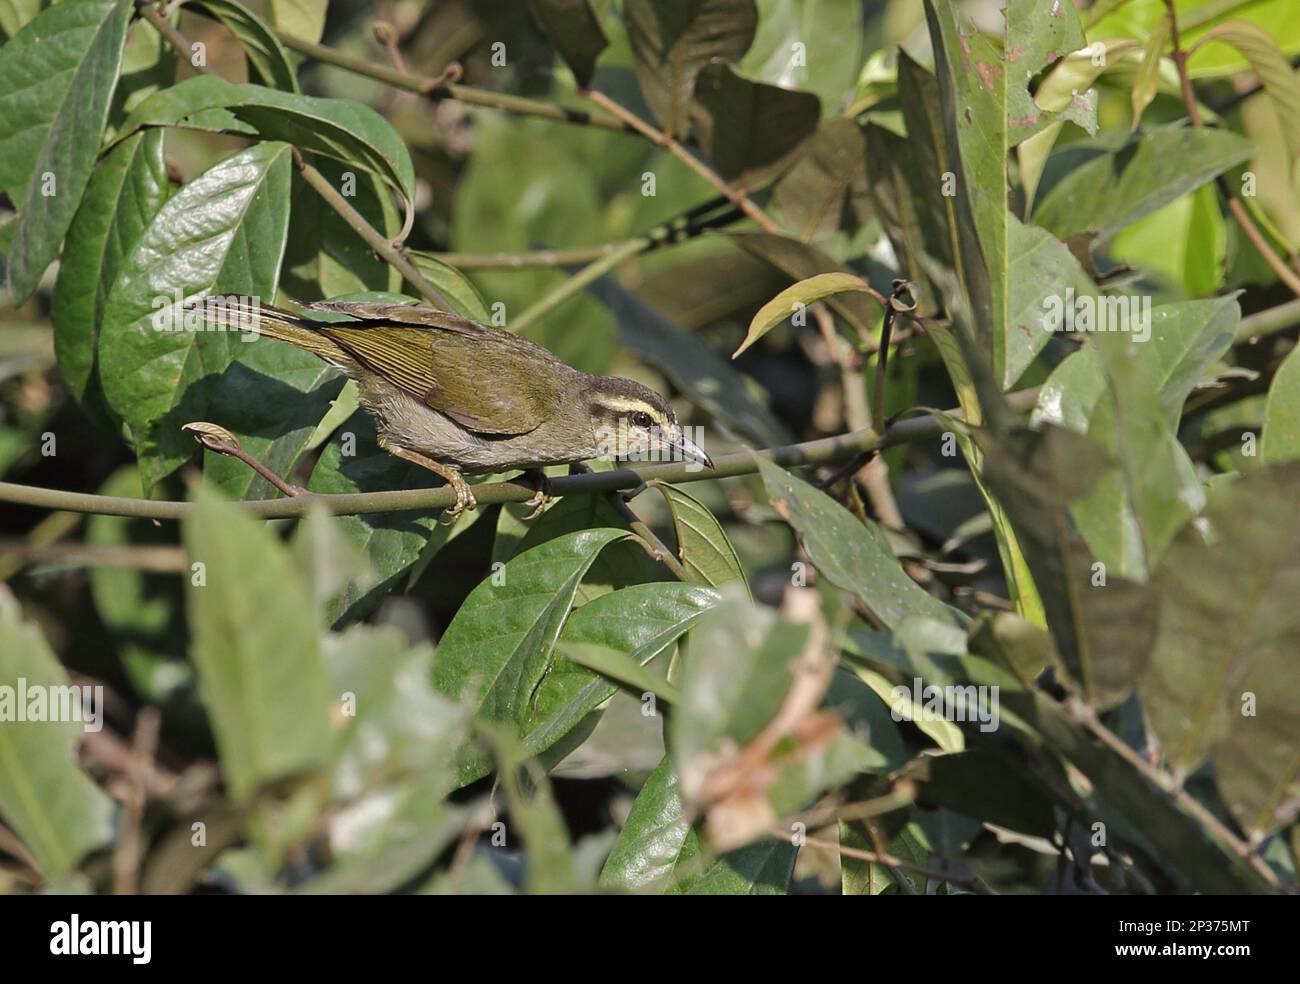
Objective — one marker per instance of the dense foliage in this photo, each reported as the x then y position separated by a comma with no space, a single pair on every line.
1031,626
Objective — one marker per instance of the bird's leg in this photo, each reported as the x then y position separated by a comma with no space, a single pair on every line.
541,491
464,497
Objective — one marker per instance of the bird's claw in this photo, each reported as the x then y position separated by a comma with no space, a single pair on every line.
464,500
541,494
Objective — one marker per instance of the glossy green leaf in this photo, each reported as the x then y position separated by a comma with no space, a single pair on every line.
344,130
638,623
54,808
704,549
575,31
659,850
224,232
262,48
672,40
750,130
1115,188
124,195
57,77
1222,678
256,647
852,555
797,297
501,644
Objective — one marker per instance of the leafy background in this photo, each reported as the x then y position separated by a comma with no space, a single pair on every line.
1104,529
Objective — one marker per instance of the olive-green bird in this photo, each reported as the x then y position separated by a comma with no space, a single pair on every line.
454,396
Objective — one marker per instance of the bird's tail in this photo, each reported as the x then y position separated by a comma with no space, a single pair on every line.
285,326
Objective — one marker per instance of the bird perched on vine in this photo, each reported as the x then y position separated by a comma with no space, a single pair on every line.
455,396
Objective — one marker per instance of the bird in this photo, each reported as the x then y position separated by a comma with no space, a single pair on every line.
459,397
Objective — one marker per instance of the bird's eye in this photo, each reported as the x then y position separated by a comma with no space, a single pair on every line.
641,419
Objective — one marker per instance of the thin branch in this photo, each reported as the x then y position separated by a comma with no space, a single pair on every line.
685,226
1239,213
820,451
973,885
661,139
824,450
174,37
530,260
1087,716
436,88
368,233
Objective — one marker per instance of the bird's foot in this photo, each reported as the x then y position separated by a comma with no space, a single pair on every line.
541,492
464,496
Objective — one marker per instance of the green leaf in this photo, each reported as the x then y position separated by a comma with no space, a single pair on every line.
1113,189
1073,74
750,130
1274,70
1223,678
799,261
1186,240
672,40
455,286
124,195
705,551
575,31
831,39
797,297
659,850
256,647
325,258
262,48
1281,439
14,14
302,18
826,189
501,643
224,232
344,130
57,78
1102,626
637,623
55,809
1186,340
352,462
852,555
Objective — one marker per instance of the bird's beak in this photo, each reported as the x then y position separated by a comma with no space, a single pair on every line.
690,451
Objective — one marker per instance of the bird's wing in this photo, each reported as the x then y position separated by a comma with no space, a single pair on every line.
511,390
